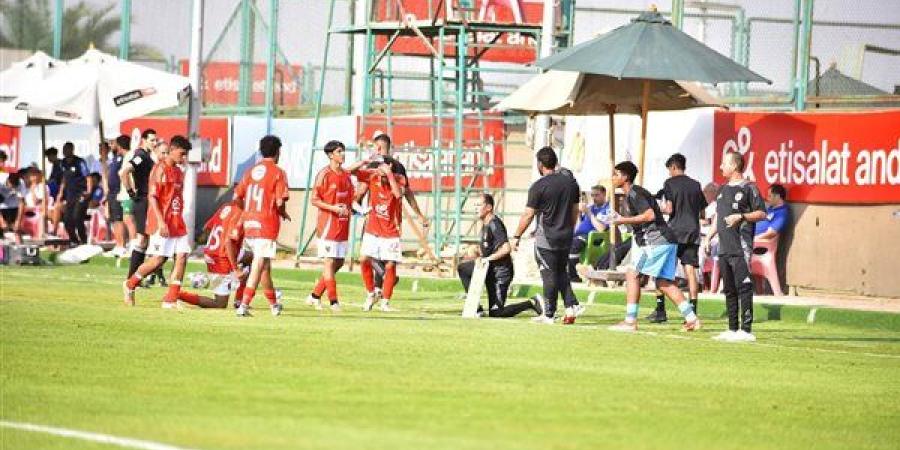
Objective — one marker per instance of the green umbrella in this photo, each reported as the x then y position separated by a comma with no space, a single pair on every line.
633,60
651,50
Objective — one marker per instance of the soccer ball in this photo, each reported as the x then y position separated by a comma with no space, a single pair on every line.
199,280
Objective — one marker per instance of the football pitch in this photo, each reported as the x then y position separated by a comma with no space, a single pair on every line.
74,357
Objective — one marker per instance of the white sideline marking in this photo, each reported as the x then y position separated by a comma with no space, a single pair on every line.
88,436
811,318
591,296
415,285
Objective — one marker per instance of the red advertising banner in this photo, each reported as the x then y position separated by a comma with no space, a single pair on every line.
10,143
508,47
215,131
836,157
221,81
412,138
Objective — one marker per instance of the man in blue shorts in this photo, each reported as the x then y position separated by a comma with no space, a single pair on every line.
654,250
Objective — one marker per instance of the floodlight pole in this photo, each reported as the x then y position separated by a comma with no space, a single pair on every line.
194,110
57,28
125,30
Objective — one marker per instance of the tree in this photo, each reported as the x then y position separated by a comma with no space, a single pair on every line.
27,24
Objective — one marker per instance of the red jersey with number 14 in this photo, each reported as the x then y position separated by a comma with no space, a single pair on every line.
166,185
224,229
386,210
262,188
334,188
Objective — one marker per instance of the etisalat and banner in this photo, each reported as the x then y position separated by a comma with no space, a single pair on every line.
822,157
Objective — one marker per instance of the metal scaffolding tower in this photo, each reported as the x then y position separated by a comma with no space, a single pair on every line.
452,103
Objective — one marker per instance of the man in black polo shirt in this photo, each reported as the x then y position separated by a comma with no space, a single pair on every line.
738,206
554,200
684,202
495,249
73,191
135,179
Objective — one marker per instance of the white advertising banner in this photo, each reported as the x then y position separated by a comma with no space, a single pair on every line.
688,132
296,137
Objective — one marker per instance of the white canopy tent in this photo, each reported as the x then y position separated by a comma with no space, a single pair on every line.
20,78
94,89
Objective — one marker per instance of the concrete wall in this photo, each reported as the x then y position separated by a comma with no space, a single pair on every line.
847,249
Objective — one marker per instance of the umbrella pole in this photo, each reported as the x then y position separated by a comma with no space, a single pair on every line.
610,189
645,105
43,150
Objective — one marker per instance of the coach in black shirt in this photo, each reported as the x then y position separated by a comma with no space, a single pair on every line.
553,199
738,206
495,249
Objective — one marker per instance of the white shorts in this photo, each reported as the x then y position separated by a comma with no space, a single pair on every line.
261,247
167,246
224,285
385,249
332,249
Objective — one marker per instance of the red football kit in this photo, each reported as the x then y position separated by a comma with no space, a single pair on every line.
224,229
167,185
261,188
386,210
334,188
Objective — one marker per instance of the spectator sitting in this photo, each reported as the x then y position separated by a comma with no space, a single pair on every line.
4,172
12,205
594,217
37,201
96,190
777,214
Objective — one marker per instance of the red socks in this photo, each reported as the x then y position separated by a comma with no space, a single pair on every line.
188,297
133,281
270,296
390,279
367,275
331,287
172,293
319,289
248,295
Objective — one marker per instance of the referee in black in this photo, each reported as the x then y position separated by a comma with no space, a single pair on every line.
495,249
135,178
554,200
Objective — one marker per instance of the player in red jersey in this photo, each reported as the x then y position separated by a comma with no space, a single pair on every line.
381,236
225,259
382,152
333,195
263,191
165,223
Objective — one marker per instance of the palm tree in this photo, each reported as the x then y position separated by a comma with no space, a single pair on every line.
26,24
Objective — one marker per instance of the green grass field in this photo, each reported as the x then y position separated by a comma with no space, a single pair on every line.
72,356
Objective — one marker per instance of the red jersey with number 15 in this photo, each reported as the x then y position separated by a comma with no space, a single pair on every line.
334,188
166,185
262,187
224,229
386,210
